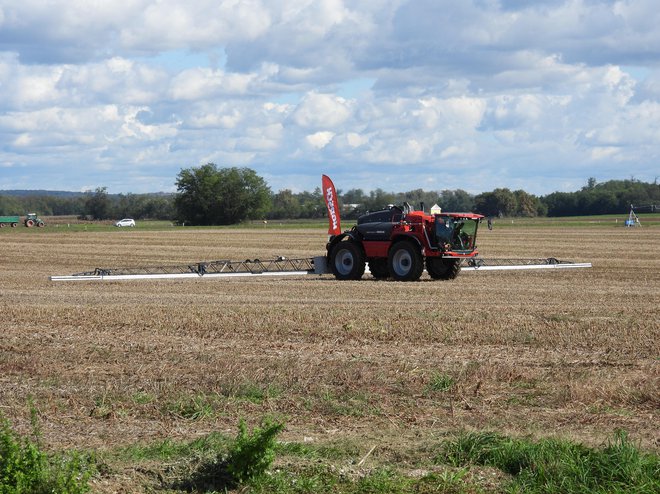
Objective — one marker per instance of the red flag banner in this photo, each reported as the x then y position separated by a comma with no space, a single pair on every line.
330,196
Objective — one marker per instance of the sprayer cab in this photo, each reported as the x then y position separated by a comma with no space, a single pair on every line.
456,234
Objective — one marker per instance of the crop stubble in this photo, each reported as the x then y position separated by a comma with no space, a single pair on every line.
573,353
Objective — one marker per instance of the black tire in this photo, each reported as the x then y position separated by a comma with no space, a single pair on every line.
379,269
443,269
405,262
347,261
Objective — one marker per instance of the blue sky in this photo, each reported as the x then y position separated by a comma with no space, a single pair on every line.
390,94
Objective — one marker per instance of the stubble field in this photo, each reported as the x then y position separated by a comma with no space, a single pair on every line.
396,366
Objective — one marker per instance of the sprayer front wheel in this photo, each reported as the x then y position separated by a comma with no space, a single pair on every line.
443,269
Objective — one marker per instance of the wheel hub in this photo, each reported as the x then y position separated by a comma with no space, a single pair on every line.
401,263
344,262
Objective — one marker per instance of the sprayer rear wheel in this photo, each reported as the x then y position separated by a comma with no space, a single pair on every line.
405,261
347,261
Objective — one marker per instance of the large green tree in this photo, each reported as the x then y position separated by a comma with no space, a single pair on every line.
97,204
10,206
285,204
528,205
456,200
614,196
499,202
208,195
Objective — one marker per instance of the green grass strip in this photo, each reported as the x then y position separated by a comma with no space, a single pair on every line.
556,466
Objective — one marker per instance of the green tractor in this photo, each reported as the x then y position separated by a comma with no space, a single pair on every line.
31,219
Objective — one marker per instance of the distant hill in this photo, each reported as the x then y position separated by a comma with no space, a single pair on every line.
51,193
66,193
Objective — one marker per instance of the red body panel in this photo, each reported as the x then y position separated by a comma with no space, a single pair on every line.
376,248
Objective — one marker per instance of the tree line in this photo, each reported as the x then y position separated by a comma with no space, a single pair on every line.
209,195
92,205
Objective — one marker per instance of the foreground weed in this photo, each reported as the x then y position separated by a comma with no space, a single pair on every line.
441,382
26,469
250,454
551,465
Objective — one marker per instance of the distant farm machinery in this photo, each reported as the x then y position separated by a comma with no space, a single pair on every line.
31,219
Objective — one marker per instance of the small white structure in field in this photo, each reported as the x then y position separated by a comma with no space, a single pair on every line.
632,220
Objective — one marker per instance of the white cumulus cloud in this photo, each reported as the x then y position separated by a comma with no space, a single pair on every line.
502,93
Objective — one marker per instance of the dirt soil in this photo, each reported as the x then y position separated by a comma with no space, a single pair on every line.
566,353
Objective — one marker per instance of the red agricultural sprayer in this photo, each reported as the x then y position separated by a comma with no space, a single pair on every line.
396,243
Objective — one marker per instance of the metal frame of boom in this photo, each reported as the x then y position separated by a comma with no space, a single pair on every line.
479,264
282,266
